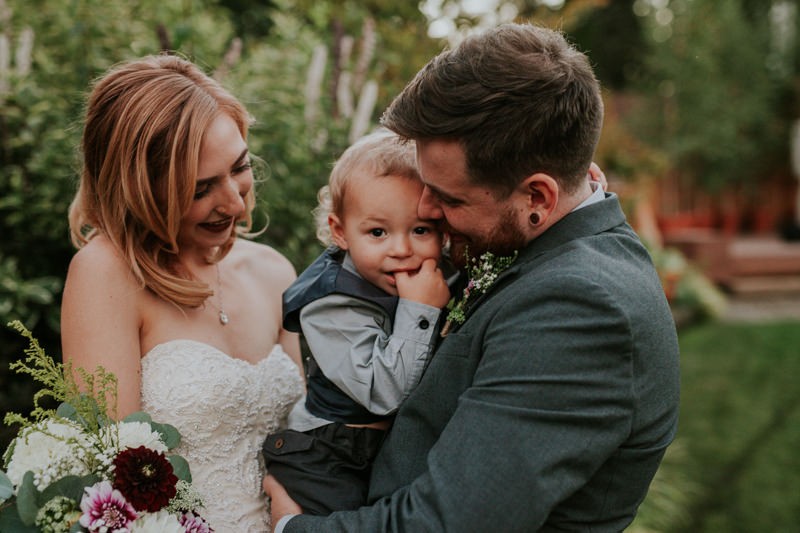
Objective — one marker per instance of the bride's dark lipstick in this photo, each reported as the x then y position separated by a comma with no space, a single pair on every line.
219,226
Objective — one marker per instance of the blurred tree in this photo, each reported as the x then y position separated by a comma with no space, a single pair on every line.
49,53
713,96
346,61
252,19
612,36
69,44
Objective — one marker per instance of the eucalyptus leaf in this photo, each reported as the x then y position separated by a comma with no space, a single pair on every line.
70,487
180,467
66,410
10,521
27,500
169,434
6,487
139,416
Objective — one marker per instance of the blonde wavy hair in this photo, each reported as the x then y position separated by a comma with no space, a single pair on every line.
377,154
145,122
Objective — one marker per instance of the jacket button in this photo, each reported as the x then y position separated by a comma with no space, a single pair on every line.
279,444
423,324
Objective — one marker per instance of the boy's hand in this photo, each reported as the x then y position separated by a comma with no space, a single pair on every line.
426,286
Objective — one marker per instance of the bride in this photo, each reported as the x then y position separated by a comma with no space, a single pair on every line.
163,293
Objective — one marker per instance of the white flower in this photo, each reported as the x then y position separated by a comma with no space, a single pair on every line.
51,450
482,274
133,435
160,522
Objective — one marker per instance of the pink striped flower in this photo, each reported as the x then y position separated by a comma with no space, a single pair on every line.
105,509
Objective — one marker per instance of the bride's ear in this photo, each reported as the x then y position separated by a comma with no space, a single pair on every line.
337,231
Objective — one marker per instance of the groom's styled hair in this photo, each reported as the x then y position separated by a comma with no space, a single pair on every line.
518,98
145,123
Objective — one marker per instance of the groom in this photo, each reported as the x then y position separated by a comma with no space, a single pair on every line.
550,407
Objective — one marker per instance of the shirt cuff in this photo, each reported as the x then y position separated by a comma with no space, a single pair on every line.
282,523
415,321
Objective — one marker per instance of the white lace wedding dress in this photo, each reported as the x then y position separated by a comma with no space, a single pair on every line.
224,408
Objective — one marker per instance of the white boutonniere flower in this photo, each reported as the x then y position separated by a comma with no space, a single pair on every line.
483,272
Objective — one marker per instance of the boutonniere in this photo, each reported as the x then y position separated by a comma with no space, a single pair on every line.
483,272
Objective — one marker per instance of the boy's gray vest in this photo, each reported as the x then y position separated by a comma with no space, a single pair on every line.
323,277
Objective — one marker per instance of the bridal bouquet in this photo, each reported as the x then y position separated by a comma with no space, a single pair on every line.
76,469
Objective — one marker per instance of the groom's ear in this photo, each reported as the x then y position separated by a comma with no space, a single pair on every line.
337,231
542,193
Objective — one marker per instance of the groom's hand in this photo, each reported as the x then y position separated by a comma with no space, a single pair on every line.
281,503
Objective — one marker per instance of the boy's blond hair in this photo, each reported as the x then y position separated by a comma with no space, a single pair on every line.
377,154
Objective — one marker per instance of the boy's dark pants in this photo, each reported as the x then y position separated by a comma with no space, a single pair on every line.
325,469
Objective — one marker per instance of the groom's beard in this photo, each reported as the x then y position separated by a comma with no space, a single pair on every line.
503,239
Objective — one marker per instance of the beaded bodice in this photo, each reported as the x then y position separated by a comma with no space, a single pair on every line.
224,408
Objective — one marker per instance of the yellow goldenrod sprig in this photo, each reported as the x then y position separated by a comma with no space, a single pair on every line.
91,405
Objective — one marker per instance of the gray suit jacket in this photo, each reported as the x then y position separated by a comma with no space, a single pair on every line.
549,409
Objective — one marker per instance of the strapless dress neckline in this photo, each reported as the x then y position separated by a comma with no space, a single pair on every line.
168,346
224,408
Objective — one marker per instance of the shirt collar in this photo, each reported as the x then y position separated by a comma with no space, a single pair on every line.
597,195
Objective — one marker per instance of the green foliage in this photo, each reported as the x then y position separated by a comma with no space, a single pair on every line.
298,150
251,18
169,434
616,61
40,128
740,427
26,298
739,431
713,96
42,369
6,487
90,408
295,163
180,467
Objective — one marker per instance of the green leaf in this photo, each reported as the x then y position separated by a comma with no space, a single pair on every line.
169,434
27,497
69,486
138,417
11,521
66,410
6,487
180,467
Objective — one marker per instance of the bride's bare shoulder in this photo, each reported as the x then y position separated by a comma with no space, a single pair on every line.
263,260
99,261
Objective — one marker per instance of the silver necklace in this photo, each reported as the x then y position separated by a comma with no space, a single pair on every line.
223,316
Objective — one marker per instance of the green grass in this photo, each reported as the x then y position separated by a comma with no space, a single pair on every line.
735,466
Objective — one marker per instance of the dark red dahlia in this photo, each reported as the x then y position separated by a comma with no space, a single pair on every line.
145,478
